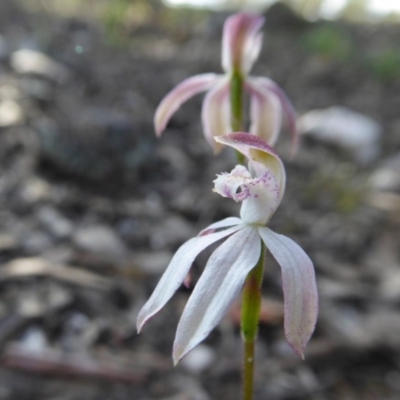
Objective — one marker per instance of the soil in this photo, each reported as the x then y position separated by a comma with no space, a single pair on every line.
93,206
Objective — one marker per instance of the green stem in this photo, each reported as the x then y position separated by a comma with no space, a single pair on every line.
251,306
237,95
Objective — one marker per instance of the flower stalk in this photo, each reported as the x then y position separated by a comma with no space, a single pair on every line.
251,306
236,100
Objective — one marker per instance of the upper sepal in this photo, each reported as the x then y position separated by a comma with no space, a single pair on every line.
241,42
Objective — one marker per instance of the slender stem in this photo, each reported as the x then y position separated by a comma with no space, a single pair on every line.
237,101
237,95
248,370
251,306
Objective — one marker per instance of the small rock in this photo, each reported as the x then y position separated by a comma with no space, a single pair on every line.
34,190
36,88
26,61
173,231
3,47
345,128
153,263
199,359
387,177
58,225
36,242
10,113
101,243
33,340
7,242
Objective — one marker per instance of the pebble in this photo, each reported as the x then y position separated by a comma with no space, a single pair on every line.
35,242
33,340
102,243
199,359
3,47
57,225
10,113
387,176
154,262
173,231
345,128
26,61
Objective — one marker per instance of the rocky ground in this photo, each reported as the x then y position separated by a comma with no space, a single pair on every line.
93,207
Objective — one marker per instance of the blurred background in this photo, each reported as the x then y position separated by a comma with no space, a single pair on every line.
92,206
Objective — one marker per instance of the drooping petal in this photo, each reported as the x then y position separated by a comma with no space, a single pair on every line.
177,96
216,289
265,114
299,288
216,114
269,88
241,42
257,151
176,273
231,221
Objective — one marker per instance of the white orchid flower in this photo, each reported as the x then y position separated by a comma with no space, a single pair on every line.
260,190
241,45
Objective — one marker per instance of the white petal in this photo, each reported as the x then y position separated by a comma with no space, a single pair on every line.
264,197
267,85
176,273
177,96
216,114
231,221
216,289
265,114
299,288
252,50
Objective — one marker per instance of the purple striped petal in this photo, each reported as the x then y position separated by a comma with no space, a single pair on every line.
176,273
217,288
299,288
181,93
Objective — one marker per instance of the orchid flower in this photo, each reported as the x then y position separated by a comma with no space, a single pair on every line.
260,189
241,45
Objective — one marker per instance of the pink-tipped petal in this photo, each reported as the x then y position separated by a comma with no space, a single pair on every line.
257,151
231,221
265,113
217,288
299,288
269,86
241,41
176,273
177,96
216,114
